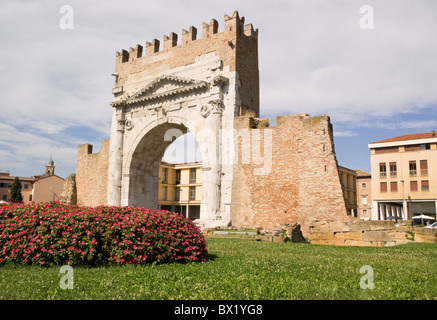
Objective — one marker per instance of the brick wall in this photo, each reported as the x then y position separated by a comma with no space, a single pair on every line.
303,184
92,175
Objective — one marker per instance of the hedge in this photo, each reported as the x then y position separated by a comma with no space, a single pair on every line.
56,234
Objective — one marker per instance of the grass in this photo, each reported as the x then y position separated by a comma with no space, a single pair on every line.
245,269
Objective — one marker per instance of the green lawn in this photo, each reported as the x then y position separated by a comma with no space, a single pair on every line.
245,269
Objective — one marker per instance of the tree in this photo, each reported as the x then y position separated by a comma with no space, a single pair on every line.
16,195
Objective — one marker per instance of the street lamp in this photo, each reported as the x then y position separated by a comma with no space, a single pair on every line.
404,205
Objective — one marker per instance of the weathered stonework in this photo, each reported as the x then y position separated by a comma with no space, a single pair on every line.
69,191
369,233
253,175
92,175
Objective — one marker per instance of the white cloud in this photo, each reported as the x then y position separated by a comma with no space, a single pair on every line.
313,58
346,134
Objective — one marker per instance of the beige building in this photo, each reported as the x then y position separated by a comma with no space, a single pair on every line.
180,188
404,176
6,184
348,179
364,194
40,188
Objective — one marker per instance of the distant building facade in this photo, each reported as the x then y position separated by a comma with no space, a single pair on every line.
180,188
348,179
364,194
39,188
404,176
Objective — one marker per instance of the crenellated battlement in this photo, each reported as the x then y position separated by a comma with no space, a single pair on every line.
234,27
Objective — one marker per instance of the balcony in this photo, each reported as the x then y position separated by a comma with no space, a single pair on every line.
413,173
383,174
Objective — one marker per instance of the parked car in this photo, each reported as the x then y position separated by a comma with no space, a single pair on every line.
433,225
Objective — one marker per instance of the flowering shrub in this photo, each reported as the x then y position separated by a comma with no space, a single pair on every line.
52,233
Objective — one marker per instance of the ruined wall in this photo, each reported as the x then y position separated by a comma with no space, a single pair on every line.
92,175
302,182
369,233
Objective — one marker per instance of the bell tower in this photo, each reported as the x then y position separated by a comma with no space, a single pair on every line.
50,167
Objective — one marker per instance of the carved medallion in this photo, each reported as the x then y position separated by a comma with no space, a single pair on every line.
205,110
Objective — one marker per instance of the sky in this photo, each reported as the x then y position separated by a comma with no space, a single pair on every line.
372,69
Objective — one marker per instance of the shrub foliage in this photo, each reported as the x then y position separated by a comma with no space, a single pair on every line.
56,234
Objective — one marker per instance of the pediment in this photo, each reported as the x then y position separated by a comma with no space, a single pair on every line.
165,86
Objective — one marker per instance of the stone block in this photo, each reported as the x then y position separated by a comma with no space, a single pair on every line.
358,243
400,235
403,228
281,239
359,225
405,223
390,244
425,238
321,236
267,238
356,235
339,226
399,241
380,235
319,227
382,225
329,242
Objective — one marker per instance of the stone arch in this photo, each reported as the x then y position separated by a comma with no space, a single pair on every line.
143,158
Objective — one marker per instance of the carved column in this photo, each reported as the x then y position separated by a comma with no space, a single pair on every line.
211,193
116,162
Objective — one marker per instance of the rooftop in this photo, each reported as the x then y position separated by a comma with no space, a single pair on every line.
361,173
412,136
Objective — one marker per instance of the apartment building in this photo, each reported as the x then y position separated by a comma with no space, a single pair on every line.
348,179
6,184
180,188
364,194
404,176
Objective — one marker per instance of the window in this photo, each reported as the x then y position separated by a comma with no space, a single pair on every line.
5,197
364,199
382,170
363,185
383,186
30,197
393,169
424,168
164,175
413,185
425,185
164,193
178,176
426,146
26,186
418,147
177,194
394,186
193,175
413,168
365,212
192,193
